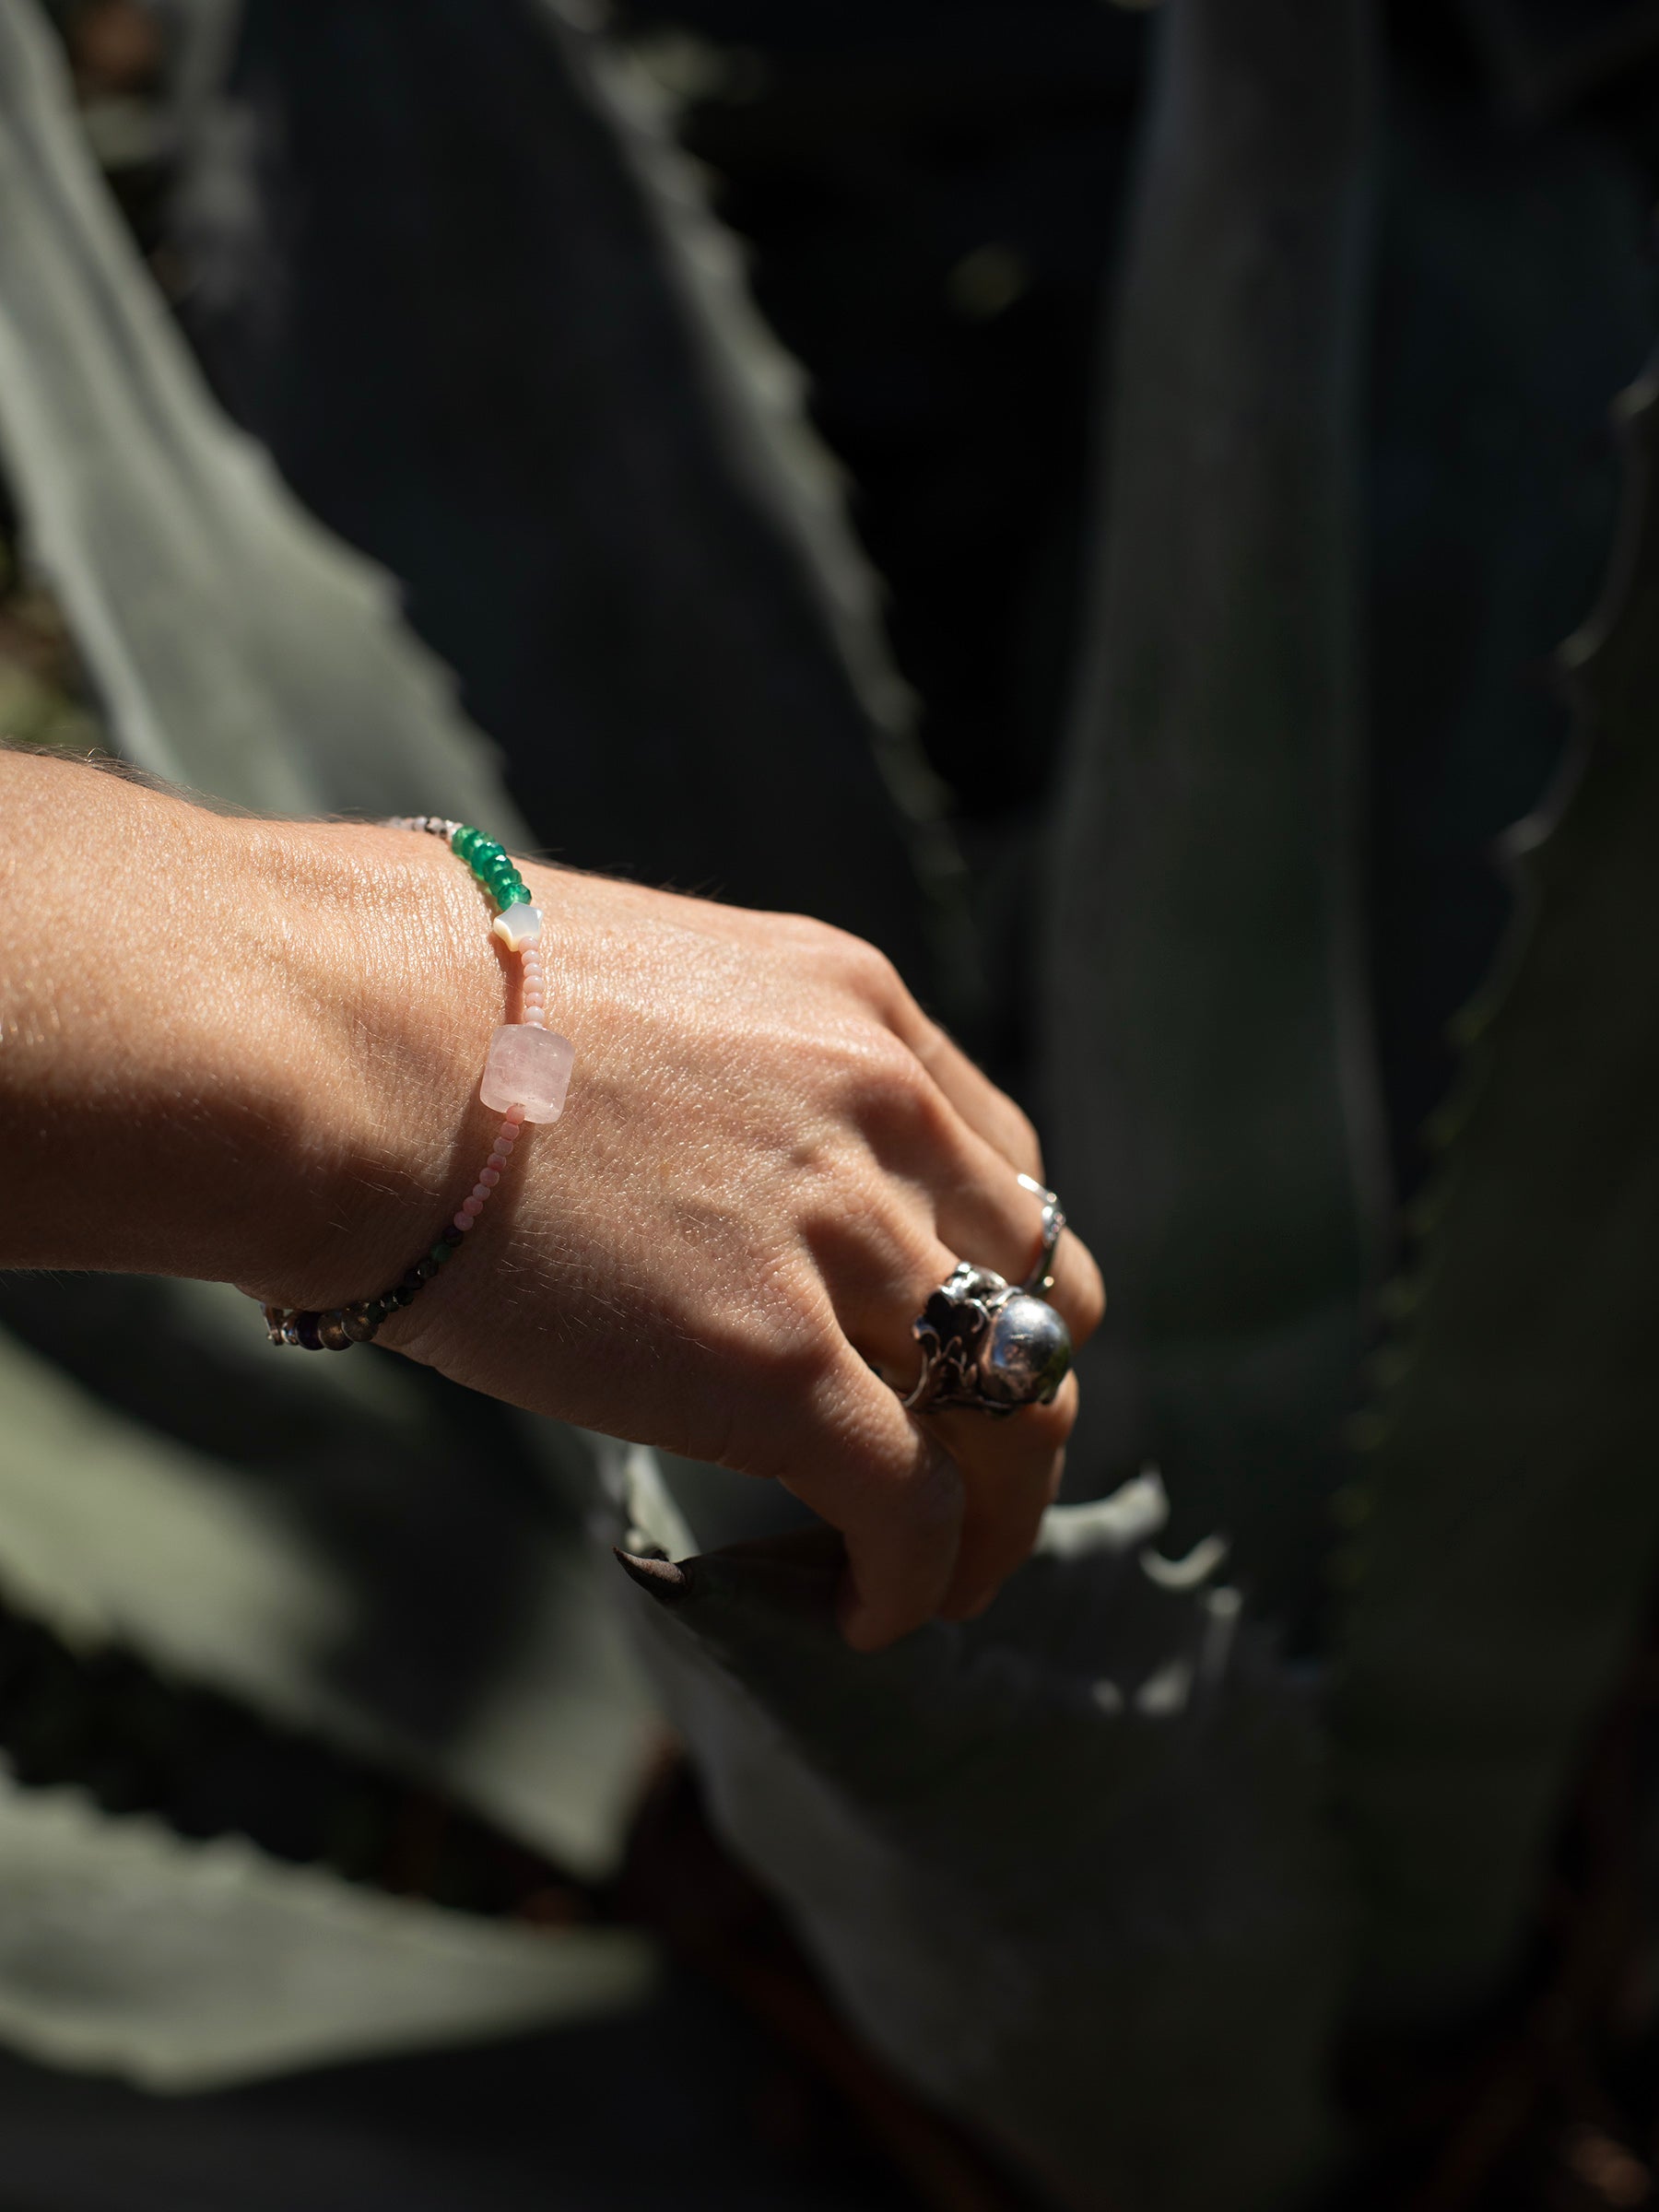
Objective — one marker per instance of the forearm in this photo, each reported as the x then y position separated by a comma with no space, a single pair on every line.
229,1049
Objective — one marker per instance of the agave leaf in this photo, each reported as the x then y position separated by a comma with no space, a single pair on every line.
1484,550
235,646
187,1966
1058,1864
1508,1517
329,1540
1208,1080
620,527
349,1585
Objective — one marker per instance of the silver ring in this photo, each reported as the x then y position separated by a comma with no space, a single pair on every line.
991,1345
1041,1277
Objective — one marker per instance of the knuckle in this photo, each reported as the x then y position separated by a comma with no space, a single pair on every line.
776,1344
804,932
878,977
864,968
770,1371
791,1351
886,1082
1024,1147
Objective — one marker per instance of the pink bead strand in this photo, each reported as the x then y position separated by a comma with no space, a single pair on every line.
490,1175
532,999
532,1014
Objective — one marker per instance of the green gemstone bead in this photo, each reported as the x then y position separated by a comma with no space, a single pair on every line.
441,1252
463,840
518,893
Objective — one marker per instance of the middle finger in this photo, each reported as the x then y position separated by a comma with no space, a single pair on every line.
1009,1466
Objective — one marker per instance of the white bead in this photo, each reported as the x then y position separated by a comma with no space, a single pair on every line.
517,926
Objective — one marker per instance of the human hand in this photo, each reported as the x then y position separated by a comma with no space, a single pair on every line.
769,1159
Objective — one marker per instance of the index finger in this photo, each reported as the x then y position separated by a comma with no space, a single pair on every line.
988,1111
895,1495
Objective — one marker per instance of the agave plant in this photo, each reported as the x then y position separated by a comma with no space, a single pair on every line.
1044,1901
1106,1872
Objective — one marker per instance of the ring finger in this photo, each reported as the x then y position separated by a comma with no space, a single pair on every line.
993,1217
1009,1466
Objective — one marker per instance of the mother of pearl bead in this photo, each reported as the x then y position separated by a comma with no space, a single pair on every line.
518,926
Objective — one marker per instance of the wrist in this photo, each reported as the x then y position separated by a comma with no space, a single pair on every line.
242,1050
380,956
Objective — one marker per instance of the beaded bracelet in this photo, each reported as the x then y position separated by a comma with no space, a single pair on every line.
525,1077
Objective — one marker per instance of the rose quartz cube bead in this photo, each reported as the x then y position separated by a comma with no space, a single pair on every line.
527,1067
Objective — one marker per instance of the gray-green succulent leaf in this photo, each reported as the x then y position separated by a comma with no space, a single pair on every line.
1057,1864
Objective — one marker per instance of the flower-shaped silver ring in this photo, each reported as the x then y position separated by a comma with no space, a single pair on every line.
991,1345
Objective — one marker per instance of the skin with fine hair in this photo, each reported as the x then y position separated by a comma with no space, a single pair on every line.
249,1051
